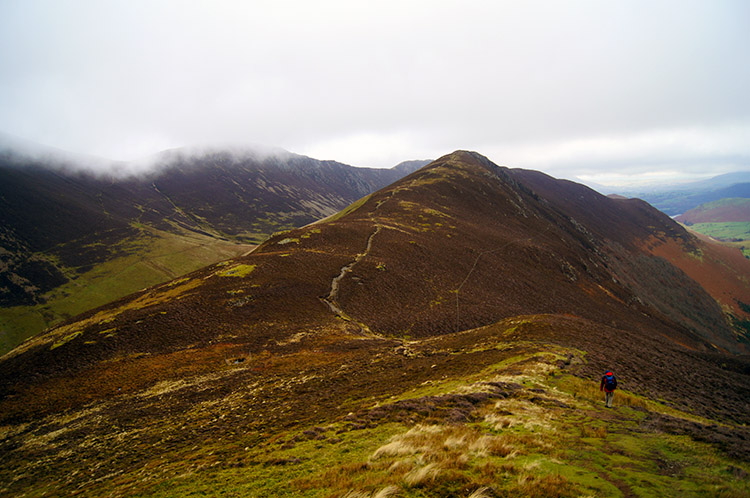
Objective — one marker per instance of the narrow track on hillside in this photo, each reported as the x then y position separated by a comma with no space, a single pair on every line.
332,298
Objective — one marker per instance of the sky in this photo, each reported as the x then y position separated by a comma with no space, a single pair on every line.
606,91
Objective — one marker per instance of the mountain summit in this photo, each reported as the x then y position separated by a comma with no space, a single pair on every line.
444,274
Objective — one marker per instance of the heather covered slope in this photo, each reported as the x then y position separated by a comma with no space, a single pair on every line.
64,230
442,335
688,276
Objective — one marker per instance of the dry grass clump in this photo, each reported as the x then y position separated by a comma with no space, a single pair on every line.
482,493
428,454
518,412
493,446
624,399
449,445
386,492
422,475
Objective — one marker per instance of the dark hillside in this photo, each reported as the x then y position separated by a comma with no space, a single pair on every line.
59,223
657,259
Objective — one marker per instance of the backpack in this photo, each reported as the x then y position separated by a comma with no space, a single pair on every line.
610,383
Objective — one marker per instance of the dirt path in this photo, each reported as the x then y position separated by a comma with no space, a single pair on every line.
332,298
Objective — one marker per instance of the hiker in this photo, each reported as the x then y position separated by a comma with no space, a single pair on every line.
608,385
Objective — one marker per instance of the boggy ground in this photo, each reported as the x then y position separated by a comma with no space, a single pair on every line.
505,410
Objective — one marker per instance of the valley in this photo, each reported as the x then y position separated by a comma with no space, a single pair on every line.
727,220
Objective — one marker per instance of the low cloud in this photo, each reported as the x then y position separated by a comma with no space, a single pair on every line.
575,89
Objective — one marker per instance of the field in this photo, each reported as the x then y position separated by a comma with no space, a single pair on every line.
736,234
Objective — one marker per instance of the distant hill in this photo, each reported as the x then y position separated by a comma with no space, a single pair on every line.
721,211
443,335
681,198
75,233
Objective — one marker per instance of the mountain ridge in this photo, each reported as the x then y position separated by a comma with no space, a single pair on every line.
466,297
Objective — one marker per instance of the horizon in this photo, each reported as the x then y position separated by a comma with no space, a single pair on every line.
578,90
143,165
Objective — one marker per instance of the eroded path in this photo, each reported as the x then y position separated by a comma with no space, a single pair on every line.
333,296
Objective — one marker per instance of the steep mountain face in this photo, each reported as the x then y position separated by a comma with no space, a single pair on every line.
448,273
249,195
699,284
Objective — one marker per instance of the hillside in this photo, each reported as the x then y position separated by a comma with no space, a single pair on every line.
442,336
724,210
73,239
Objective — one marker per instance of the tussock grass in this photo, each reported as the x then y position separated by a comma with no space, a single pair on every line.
386,492
482,493
599,431
422,475
450,445
547,435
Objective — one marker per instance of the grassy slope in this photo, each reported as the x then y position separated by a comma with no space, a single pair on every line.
522,424
551,438
735,234
547,435
153,258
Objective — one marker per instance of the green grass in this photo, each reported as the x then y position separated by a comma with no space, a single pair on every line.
283,467
149,261
724,231
736,234
548,435
516,445
349,209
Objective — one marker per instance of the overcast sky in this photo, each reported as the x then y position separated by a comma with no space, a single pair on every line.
600,90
